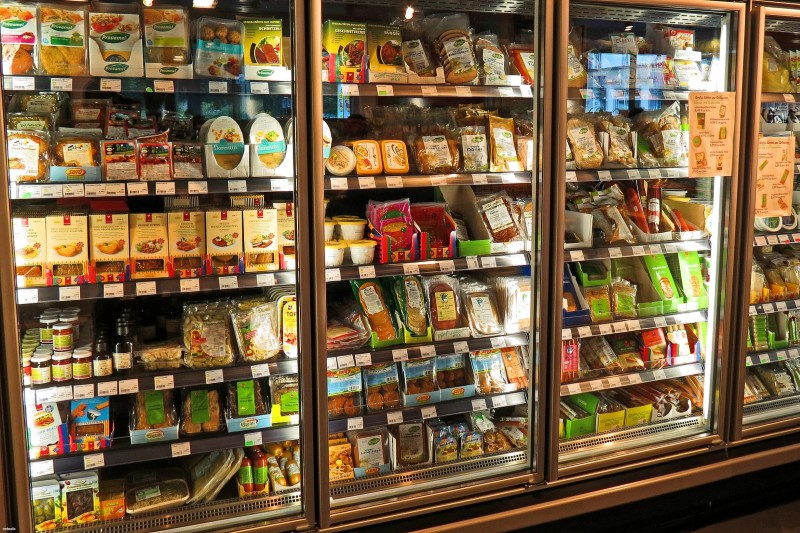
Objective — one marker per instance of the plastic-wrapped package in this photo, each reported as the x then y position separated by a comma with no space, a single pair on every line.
393,219
157,496
435,148
382,382
350,329
776,379
754,390
492,61
417,56
523,57
490,374
344,392
246,398
256,330
586,148
153,410
620,150
775,74
285,392
599,355
514,299
373,301
497,214
409,296
481,308
419,376
623,298
219,51
599,303
206,335
504,156
201,411
452,41
206,472
444,302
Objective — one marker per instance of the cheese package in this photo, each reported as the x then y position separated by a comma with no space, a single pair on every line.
115,45
260,228
119,160
187,243
80,498
166,42
30,248
225,151
149,251
19,35
263,51
224,242
67,252
218,51
395,157
385,54
63,37
368,157
109,252
28,156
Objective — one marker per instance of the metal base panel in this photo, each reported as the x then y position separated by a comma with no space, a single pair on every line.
771,410
624,439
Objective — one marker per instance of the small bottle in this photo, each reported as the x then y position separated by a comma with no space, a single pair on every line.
102,361
245,475
123,346
40,369
61,366
293,472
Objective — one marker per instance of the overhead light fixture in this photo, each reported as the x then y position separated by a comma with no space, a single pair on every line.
409,13
147,3
204,4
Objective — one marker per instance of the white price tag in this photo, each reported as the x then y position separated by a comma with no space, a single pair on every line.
480,179
619,327
660,322
656,249
633,174
461,346
752,310
596,385
366,271
479,404
237,186
92,190
163,86
198,187
428,412
80,392
190,285
633,325
19,83
331,363
795,236
633,379
52,191
788,97
355,423
670,249
606,329
349,89
164,382
772,239
584,331
60,84
165,187
218,87
181,449
438,181
69,294
345,361
108,388
367,182
463,91
385,90
472,262
115,189
113,290
363,359
401,354
73,190
780,306
427,351
498,342
794,353
93,460
659,375
769,308
265,280
281,185
526,91
28,296
506,91
508,177
137,189
394,182
427,90
214,376
110,85
763,358
145,288
572,176
339,184
128,386
253,439
260,371
259,87
409,269
576,255
603,175
566,334
488,262
333,274
228,282
447,266
46,395
42,468
574,388
614,382
499,401
394,417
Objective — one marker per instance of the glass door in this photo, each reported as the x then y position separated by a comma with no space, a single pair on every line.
647,120
153,328
428,228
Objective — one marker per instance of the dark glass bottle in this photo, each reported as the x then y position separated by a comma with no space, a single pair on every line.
102,362
123,346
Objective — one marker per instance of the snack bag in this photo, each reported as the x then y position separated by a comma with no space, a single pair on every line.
504,148
582,137
490,375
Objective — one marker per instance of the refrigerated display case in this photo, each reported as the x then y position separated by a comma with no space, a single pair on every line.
646,116
427,232
766,395
154,237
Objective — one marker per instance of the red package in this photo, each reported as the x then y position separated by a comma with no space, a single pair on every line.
393,219
433,219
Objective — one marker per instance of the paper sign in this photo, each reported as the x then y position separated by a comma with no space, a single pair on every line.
774,176
711,130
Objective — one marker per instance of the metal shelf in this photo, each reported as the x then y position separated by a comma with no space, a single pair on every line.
773,239
426,91
125,454
333,183
622,174
37,191
779,97
418,413
785,407
772,356
623,380
621,326
145,85
347,358
629,93
433,266
614,252
140,380
773,307
93,291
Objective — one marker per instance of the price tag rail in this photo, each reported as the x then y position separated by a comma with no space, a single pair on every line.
429,180
773,307
449,91
623,380
638,250
638,324
628,174
432,266
772,356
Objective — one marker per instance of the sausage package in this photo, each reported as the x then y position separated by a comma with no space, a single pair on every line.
444,302
373,300
481,308
504,146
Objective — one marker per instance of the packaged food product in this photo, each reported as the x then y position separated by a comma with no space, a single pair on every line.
436,152
775,73
368,157
153,410
256,330
36,102
382,383
344,51
393,219
245,399
44,420
344,392
514,298
160,355
226,141
474,149
490,376
263,39
451,371
443,295
395,157
149,253
158,496
445,442
63,36
115,47
598,354
155,161
287,313
340,457
576,73
260,241
370,296
386,63
515,430
206,472
776,379
166,42
503,146
187,237
75,151
28,156
410,298
201,411
497,214
219,52
142,127
206,335
523,57
417,56
623,298
29,230
148,476
599,303
266,134
46,501
187,160
362,252
29,121
109,253
179,125
370,449
285,391
334,253
341,162
626,347
585,146
80,498
492,62
351,228
515,372
119,160
420,376
19,35
67,253
481,308
453,44
412,444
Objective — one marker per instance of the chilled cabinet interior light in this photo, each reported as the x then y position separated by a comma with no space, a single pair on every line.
409,12
204,3
147,3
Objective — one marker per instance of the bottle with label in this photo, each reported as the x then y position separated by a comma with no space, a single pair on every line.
102,362
123,346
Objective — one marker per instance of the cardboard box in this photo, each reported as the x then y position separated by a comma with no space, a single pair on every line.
264,54
112,499
187,243
110,252
89,424
166,43
46,499
149,249
67,250
30,248
115,45
260,228
384,47
286,234
345,45
224,251
80,498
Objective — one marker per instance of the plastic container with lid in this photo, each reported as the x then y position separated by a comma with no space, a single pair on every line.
63,337
352,229
46,329
40,369
362,252
156,496
61,366
341,162
207,472
330,225
71,310
334,253
82,364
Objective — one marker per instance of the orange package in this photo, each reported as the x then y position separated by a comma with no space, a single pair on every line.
371,299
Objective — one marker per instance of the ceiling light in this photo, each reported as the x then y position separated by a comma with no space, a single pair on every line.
205,4
147,3
409,12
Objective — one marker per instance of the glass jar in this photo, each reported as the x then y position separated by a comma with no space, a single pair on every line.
82,364
46,329
43,350
62,337
26,371
72,319
61,366
40,369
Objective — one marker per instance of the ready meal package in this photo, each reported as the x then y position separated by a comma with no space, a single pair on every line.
385,54
382,384
62,30
267,144
156,496
75,158
452,40
201,411
67,248
373,300
370,452
246,399
29,229
119,160
115,45
224,241
166,42
28,156
19,36
206,335
219,48
285,394
344,393
109,253
344,51
225,150
260,227
263,48
187,243
149,250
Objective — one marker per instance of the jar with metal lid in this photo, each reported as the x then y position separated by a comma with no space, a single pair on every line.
26,371
82,364
62,337
46,329
61,366
72,319
43,350
71,310
40,369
